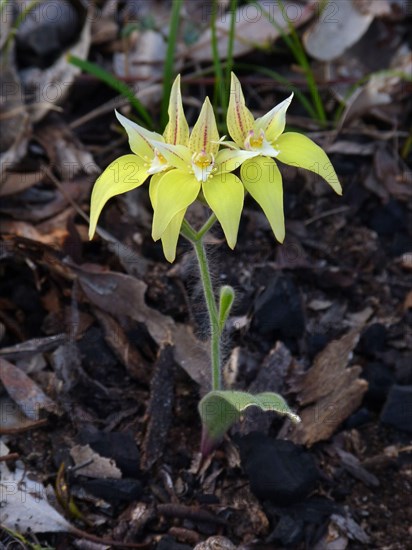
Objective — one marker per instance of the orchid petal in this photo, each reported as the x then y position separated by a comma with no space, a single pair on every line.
175,192
177,129
123,174
300,151
205,136
178,156
230,144
262,179
170,236
228,160
273,123
225,194
153,186
139,138
239,118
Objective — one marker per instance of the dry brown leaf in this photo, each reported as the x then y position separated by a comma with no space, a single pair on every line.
320,420
144,57
29,231
321,379
121,294
407,303
339,26
129,355
99,467
15,182
330,389
26,393
253,29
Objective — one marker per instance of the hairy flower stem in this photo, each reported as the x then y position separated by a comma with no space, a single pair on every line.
196,238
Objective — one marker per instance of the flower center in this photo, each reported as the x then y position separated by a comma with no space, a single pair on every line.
203,159
259,143
253,142
158,164
202,165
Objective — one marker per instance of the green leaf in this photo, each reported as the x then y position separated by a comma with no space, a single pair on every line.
219,410
226,299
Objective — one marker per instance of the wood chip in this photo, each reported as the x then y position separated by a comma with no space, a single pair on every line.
160,407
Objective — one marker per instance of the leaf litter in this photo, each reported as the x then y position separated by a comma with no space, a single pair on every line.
363,263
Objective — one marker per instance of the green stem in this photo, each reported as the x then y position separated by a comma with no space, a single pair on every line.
196,238
208,225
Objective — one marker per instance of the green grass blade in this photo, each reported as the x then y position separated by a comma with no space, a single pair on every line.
113,82
19,20
294,44
230,48
220,85
303,61
169,61
282,80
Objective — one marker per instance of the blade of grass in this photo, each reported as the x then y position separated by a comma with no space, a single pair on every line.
113,82
304,63
282,80
19,20
169,61
230,47
294,44
220,87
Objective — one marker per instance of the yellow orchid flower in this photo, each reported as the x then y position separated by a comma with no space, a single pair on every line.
130,171
264,139
198,166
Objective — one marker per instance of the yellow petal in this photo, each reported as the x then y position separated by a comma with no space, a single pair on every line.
153,186
123,174
178,156
228,160
175,192
300,151
262,179
171,235
139,137
225,194
177,129
273,123
204,136
239,118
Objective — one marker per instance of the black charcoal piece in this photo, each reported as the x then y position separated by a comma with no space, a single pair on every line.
114,491
278,470
169,543
288,531
397,411
119,446
278,310
380,379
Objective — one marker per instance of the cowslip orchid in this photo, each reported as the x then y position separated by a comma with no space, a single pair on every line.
131,171
264,139
186,166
